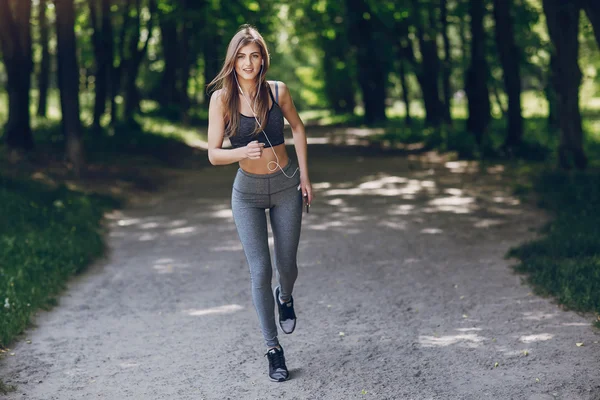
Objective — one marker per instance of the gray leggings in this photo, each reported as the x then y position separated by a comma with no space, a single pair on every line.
252,194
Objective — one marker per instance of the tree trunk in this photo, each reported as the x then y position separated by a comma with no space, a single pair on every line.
477,76
592,10
405,94
169,40
339,83
551,95
132,98
68,83
211,57
447,63
562,19
44,75
103,49
428,72
371,61
509,58
15,43
117,70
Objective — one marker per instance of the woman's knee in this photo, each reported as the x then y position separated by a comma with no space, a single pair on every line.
261,276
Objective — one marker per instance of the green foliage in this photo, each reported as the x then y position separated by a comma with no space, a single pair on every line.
46,235
5,389
565,262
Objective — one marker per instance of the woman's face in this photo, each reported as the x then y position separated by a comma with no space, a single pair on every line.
248,61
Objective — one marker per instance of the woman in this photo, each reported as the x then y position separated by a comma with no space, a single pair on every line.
249,111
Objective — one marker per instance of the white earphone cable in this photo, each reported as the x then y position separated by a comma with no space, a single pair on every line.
277,165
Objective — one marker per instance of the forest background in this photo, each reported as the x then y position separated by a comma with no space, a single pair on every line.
94,91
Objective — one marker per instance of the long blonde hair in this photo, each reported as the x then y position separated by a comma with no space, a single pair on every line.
225,80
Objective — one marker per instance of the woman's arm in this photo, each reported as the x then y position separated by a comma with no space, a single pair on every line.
216,131
291,115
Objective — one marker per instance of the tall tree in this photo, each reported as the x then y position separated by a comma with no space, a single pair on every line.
510,60
177,24
135,56
103,43
447,62
592,10
339,87
68,82
371,58
44,73
15,43
562,18
428,70
476,85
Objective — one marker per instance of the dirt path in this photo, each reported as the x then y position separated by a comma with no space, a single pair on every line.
403,294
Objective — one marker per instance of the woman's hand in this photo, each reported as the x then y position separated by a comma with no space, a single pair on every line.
307,191
254,150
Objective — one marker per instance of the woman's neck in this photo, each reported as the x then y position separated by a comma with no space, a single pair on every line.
249,88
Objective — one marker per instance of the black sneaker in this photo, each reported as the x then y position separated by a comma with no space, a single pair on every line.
278,372
287,316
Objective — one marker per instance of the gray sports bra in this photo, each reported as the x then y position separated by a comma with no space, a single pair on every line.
273,129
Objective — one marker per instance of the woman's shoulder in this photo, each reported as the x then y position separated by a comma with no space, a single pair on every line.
279,89
218,97
277,85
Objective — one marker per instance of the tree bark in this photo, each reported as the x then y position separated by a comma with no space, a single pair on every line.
477,76
551,95
168,30
136,56
447,63
371,61
44,74
509,58
592,10
103,49
339,83
117,70
405,94
68,82
562,19
428,71
15,43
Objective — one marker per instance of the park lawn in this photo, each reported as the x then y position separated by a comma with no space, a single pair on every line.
46,236
564,261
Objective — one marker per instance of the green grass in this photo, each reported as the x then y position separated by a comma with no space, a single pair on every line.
46,235
565,261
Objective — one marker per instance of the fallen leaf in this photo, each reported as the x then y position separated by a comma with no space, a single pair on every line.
342,334
496,365
12,354
462,297
525,352
537,379
579,344
465,316
363,391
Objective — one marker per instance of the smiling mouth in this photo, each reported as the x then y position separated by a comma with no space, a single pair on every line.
247,70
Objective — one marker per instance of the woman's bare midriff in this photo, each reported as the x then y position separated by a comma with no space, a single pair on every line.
261,166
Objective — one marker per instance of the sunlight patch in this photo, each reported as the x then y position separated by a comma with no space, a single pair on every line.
536,338
432,231
537,315
469,339
182,231
128,222
228,309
